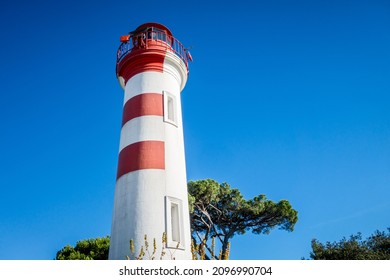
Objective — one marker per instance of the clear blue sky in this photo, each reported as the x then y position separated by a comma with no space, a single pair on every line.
286,98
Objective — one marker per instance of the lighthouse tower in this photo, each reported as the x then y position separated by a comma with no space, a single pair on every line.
151,186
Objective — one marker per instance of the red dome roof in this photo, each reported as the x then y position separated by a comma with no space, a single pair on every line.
156,25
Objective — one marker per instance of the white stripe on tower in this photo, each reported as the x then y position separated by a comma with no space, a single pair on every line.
141,129
150,81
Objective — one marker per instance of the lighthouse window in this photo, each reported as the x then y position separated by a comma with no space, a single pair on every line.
171,116
170,108
174,223
175,228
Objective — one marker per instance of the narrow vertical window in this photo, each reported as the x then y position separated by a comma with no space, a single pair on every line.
171,115
174,222
170,108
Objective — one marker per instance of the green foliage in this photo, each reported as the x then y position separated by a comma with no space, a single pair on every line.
218,211
90,249
375,247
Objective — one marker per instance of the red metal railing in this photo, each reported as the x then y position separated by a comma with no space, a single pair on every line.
152,37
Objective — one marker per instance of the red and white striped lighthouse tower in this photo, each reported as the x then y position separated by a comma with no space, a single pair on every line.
151,189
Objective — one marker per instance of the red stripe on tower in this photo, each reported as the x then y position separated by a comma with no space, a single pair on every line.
141,61
146,104
141,155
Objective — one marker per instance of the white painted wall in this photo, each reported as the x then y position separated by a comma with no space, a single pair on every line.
138,210
142,129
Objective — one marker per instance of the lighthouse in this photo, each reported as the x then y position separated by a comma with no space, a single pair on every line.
151,186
